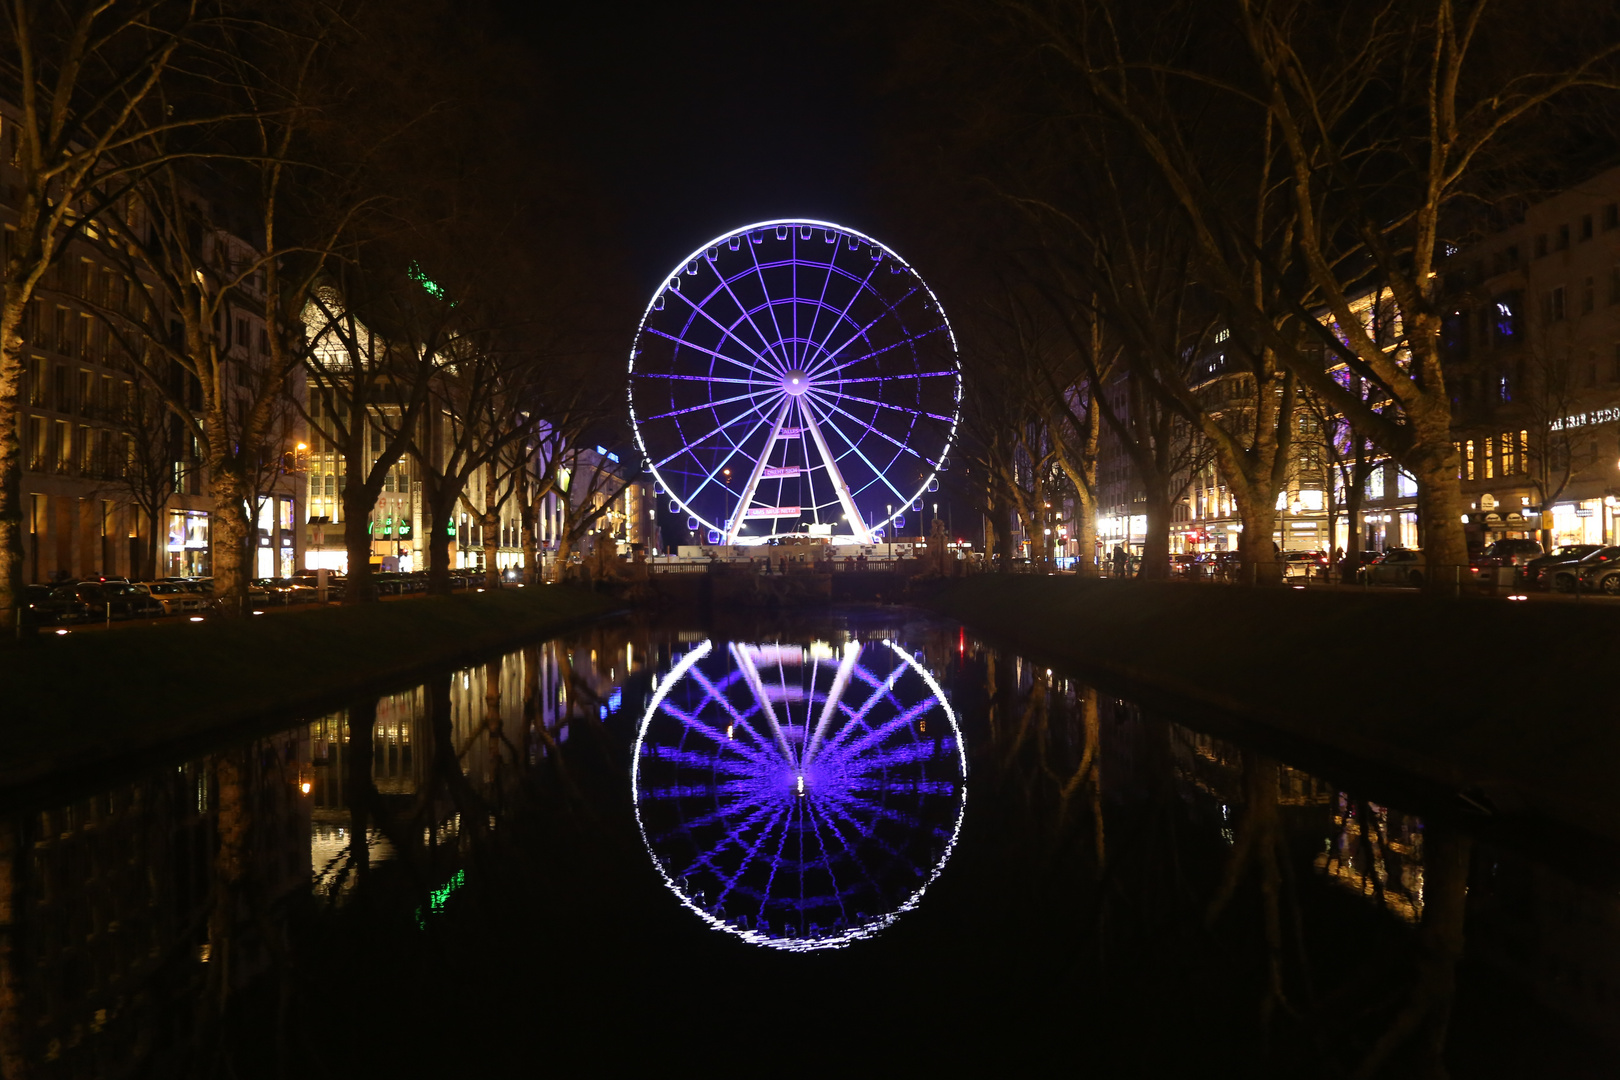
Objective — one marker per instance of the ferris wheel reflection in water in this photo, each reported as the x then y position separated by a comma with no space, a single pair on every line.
799,797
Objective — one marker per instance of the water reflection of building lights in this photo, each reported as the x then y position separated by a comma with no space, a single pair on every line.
807,831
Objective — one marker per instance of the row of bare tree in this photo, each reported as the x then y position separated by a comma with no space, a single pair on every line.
1274,181
362,180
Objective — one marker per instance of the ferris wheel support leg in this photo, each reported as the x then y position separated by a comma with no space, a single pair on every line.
747,500
846,669
856,523
757,685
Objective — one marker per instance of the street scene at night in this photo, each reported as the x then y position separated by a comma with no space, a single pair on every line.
884,539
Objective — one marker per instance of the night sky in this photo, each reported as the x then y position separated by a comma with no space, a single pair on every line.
696,118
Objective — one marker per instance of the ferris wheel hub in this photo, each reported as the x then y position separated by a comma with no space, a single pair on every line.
795,382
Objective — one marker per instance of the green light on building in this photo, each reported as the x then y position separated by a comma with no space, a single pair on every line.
433,288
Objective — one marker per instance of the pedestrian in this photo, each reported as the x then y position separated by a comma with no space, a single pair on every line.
1120,559
784,564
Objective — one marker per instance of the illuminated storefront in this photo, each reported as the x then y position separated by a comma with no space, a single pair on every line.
187,548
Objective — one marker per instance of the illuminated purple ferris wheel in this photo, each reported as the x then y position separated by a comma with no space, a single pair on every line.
799,798
794,376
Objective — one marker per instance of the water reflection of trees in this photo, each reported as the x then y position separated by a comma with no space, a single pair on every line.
148,928
1345,917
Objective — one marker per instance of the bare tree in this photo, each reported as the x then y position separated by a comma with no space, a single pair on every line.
1386,118
85,74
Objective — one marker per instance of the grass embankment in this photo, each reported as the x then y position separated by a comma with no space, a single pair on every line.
1517,700
83,699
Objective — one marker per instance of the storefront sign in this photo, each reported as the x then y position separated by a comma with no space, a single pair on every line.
1577,420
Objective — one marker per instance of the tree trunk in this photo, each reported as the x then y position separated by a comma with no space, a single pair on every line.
531,547
15,1061
12,359
230,867
357,765
1156,543
1001,529
1085,532
154,521
229,533
358,502
491,524
1257,551
1445,549
438,511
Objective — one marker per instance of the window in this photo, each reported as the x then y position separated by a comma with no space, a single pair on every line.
1490,460
1588,296
1507,453
1456,448
1541,245
1506,320
245,339
1614,375
1586,226
1555,305
1524,451
1614,285
1591,367
1468,460
1611,217
1513,256
1563,238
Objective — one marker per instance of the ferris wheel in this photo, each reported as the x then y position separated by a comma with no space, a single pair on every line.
794,376
799,798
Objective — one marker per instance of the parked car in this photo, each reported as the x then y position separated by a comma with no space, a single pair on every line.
1540,572
1509,552
1304,564
1599,570
1397,566
55,607
116,600
1353,564
174,596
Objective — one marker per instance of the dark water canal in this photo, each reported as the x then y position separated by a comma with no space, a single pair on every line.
866,843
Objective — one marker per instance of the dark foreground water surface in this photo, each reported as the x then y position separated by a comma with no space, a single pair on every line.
858,844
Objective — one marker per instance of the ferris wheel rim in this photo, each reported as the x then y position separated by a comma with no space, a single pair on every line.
685,501
793,943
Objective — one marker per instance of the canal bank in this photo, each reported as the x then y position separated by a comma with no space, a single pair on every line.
1509,705
83,699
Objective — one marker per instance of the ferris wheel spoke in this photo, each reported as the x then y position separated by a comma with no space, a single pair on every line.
737,719
832,811
821,842
826,372
883,731
702,378
725,283
889,378
757,685
718,325
830,400
682,343
739,518
765,290
879,473
829,357
857,718
889,405
780,811
846,668
714,404
860,290
712,433
754,810
846,498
